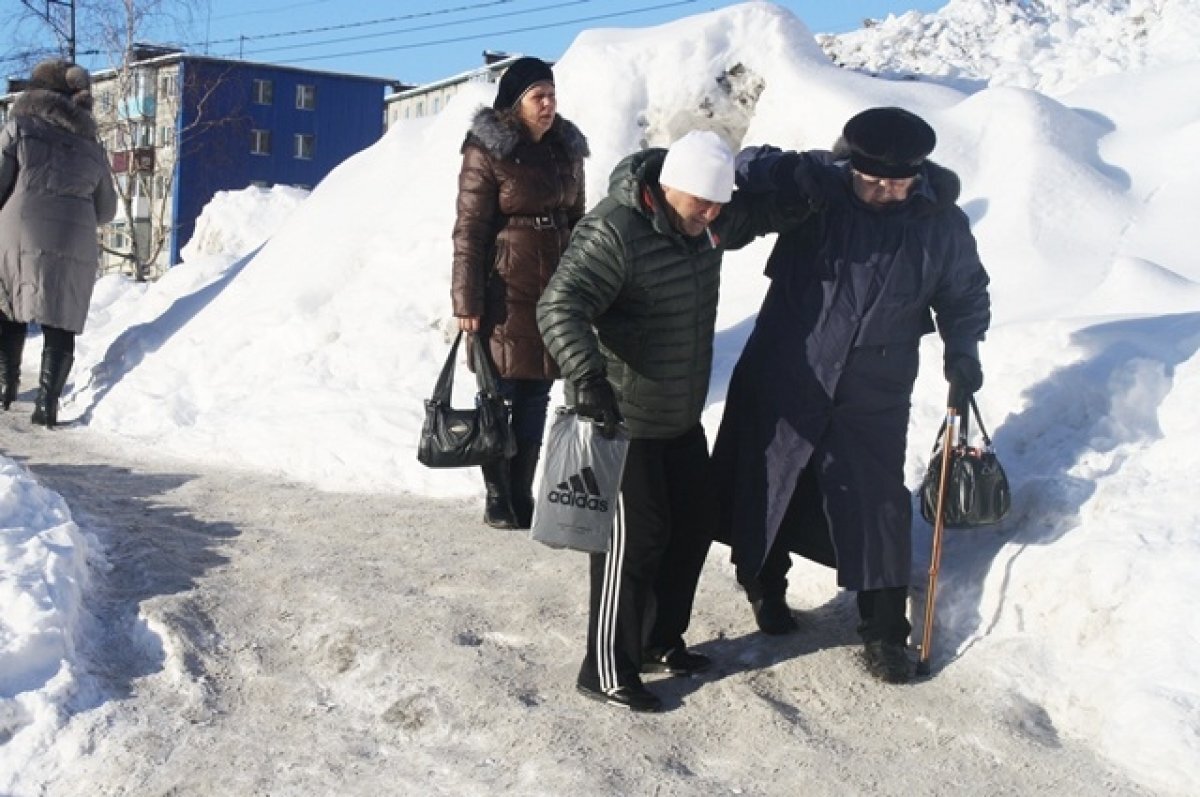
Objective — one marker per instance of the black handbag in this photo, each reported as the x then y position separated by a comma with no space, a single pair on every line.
977,492
453,438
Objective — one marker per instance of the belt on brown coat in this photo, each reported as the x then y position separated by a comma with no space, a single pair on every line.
545,221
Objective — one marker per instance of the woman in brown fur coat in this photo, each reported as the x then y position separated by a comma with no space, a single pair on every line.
520,192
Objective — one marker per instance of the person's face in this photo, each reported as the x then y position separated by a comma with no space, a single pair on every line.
882,191
537,107
689,213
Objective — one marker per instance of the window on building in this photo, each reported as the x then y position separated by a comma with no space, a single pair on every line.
260,142
306,144
143,84
420,109
437,104
306,98
141,134
263,92
166,136
168,84
115,237
162,186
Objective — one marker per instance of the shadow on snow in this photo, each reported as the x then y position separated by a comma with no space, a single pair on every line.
1085,413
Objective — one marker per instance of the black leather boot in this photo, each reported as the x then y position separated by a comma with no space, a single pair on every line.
12,344
497,509
56,364
521,469
773,615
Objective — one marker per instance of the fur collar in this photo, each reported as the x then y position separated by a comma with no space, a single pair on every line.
57,109
499,133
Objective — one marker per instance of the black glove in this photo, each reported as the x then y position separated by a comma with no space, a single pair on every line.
594,398
965,375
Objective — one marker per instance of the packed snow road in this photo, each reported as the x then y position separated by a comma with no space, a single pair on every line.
255,637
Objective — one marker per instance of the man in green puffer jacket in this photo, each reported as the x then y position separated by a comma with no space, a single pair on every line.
629,317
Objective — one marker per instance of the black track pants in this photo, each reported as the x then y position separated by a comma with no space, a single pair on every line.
642,590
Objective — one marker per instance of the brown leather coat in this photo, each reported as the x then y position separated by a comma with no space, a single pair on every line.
517,203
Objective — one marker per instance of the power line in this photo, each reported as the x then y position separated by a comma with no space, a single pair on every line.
42,52
364,23
492,34
287,7
432,26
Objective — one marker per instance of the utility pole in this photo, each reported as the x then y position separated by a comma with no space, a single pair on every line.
69,33
70,4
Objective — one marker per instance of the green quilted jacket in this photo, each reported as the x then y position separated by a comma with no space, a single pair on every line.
636,301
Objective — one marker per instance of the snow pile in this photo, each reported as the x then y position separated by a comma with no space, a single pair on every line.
310,358
1047,45
222,229
44,577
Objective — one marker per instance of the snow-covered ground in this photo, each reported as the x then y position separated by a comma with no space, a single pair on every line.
308,358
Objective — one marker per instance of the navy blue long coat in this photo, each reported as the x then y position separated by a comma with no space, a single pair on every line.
825,380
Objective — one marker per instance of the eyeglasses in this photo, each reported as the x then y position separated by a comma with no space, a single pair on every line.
887,183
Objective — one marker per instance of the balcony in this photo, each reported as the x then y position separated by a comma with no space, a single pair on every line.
133,160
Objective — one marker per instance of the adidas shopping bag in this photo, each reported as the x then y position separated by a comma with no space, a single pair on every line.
576,500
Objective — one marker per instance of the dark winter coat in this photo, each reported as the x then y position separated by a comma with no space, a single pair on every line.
825,380
636,301
517,203
55,188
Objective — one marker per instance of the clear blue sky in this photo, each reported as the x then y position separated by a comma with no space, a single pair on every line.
424,40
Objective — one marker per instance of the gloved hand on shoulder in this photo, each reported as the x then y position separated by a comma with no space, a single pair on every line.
965,375
595,399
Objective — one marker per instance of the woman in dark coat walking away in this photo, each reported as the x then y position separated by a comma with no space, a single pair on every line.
520,192
55,188
810,453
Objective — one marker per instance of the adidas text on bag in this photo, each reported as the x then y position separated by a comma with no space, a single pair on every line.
581,491
580,482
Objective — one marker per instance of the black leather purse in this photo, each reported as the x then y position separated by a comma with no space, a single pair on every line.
452,438
977,492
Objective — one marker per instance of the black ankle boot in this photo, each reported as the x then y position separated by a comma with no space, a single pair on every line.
521,470
888,661
56,364
773,616
497,508
12,344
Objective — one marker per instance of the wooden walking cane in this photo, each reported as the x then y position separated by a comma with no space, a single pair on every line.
939,524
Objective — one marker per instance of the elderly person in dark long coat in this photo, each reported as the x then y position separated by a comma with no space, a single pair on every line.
520,193
810,453
55,188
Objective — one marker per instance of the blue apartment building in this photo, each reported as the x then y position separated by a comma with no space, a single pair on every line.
181,127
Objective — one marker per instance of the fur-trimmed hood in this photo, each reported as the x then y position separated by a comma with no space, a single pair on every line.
57,109
499,133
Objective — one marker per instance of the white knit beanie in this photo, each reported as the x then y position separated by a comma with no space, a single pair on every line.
700,164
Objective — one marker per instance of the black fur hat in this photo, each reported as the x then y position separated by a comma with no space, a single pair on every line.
518,78
888,142
62,76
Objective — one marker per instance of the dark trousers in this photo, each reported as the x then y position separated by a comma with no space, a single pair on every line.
883,613
527,400
642,590
52,337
